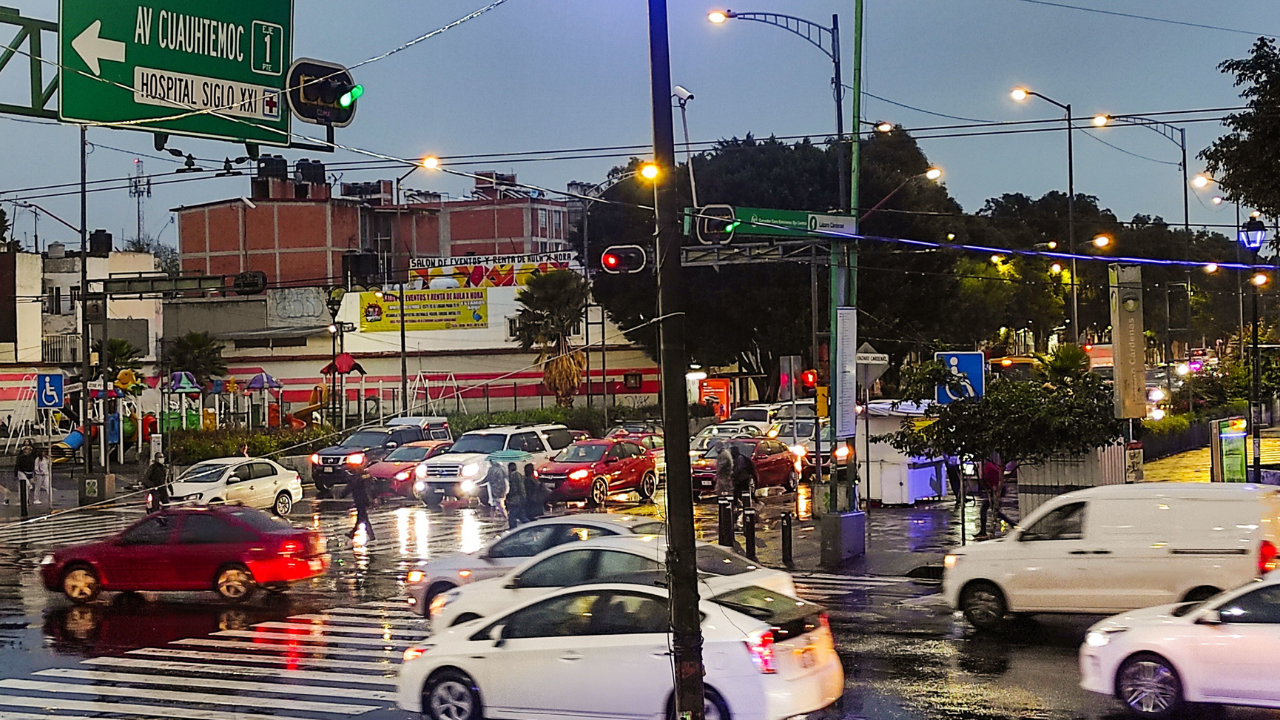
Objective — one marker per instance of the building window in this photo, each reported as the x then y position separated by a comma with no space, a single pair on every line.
249,344
542,221
557,224
289,342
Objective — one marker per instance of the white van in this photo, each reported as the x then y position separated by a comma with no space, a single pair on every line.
1114,548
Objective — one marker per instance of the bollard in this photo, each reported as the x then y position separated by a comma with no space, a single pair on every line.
786,539
749,531
726,521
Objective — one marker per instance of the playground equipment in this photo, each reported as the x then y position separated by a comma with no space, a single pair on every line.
309,415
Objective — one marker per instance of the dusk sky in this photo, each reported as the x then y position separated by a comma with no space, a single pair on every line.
559,74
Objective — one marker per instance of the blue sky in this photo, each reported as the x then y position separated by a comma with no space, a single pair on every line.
552,74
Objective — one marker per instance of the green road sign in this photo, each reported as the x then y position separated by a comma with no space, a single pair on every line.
173,57
797,224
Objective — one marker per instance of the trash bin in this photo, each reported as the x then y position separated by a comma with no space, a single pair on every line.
95,488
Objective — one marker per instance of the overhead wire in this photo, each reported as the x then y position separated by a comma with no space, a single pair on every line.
1134,16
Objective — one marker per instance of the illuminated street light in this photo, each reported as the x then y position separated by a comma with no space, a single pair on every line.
884,127
1182,370
995,259
717,16
1259,279
1211,268
1019,94
649,171
1101,120
431,162
1216,200
1101,241
1055,268
933,173
1201,181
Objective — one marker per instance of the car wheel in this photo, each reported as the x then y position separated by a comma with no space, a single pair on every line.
451,695
599,492
648,486
80,584
284,504
792,482
432,592
713,706
1149,686
234,583
983,605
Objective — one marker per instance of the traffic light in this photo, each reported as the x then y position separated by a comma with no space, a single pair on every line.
808,384
716,224
323,93
624,259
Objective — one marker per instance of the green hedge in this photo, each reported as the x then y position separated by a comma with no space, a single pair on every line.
187,447
1168,425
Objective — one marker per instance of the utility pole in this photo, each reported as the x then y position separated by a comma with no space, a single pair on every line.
140,187
682,569
87,447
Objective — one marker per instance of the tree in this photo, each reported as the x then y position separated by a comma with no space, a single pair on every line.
121,355
197,353
1244,161
166,255
1024,421
553,306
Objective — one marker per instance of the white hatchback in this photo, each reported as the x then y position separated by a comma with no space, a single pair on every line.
601,560
511,549
253,482
604,651
1224,650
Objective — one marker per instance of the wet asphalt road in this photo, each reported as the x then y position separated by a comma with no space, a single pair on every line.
329,648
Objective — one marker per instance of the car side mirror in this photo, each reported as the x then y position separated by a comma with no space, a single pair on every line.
392,445
496,634
1210,617
514,584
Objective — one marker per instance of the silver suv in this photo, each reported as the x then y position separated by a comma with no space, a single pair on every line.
460,473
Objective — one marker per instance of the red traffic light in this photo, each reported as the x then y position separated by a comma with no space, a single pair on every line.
623,259
610,261
809,378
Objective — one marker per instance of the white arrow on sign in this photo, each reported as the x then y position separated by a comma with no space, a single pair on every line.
93,48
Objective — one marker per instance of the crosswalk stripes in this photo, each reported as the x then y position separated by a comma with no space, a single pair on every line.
307,667
68,528
825,586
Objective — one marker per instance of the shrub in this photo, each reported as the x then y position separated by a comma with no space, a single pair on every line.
1168,425
187,447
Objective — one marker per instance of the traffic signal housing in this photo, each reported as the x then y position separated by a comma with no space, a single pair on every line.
716,224
808,385
624,259
323,93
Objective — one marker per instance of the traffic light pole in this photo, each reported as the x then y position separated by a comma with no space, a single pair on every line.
87,447
686,631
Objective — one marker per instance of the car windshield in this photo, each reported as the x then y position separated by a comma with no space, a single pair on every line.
408,453
365,440
751,414
203,472
483,443
585,453
259,520
803,429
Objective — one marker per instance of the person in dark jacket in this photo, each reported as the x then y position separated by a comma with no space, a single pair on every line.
360,492
157,481
517,497
535,495
25,469
744,474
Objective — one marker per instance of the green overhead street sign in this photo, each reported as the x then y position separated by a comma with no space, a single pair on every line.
795,224
125,60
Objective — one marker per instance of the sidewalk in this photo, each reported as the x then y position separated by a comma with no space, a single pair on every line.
66,494
1193,465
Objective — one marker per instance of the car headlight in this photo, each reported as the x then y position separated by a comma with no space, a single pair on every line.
1101,638
949,562
402,475
46,560
438,602
470,469
467,486
355,459
579,474
315,458
414,653
420,471
414,576
419,486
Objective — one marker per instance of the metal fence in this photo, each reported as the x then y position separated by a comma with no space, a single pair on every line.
1194,437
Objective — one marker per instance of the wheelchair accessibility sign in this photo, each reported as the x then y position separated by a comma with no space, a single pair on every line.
971,367
49,394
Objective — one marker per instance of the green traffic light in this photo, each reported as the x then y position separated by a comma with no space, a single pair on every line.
732,226
351,96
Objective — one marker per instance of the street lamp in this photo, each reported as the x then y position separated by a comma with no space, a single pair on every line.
1101,241
826,39
1019,94
933,173
1252,235
1200,182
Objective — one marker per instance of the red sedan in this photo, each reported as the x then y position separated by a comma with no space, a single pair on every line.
228,549
775,464
592,470
394,473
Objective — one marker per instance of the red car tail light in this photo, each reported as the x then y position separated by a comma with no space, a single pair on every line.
760,647
1267,560
290,547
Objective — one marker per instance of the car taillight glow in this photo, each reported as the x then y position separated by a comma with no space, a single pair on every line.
290,547
355,459
579,474
825,621
1267,560
315,458
760,647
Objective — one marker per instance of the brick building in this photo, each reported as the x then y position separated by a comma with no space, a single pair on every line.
294,229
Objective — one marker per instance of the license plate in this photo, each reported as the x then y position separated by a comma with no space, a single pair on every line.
328,469
807,657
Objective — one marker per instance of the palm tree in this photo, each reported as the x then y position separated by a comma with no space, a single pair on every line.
1066,363
197,353
121,355
554,304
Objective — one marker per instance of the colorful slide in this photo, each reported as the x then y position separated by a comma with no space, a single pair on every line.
319,399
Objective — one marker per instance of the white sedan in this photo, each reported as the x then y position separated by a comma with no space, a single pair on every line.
253,482
599,560
604,651
513,548
1224,650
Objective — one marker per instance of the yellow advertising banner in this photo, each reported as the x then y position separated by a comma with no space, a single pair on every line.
459,309
488,270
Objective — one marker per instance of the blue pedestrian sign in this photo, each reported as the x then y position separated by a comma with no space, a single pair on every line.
49,391
971,366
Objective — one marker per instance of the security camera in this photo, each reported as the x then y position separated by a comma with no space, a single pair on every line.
248,202
683,94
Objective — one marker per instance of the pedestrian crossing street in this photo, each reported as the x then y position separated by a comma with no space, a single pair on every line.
822,587
338,663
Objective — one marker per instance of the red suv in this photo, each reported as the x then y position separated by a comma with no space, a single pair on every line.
592,470
775,463
228,549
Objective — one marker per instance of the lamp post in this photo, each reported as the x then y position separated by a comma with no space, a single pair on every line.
1202,181
1252,235
1020,94
933,173
589,197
